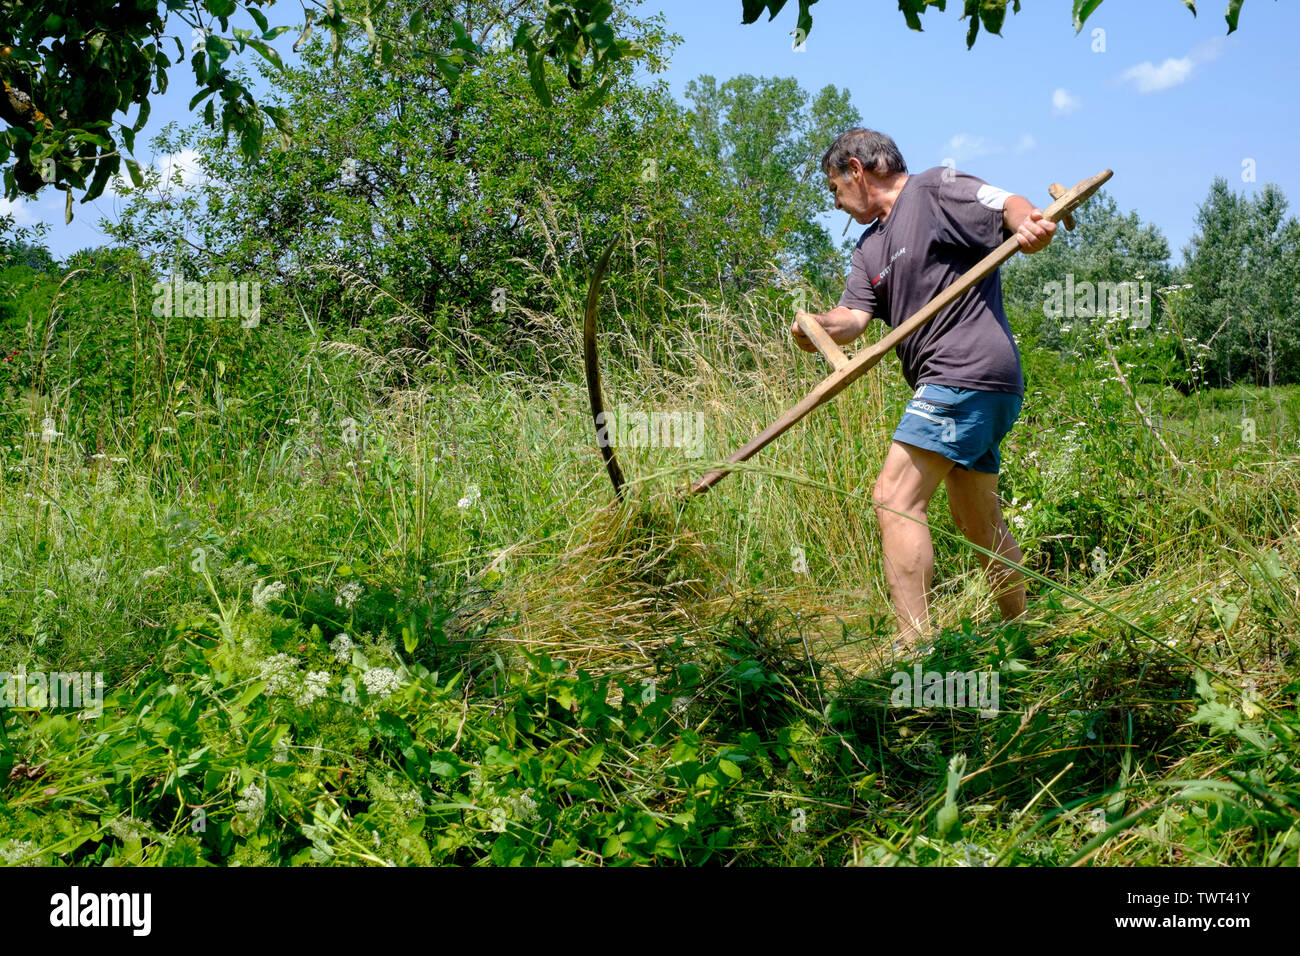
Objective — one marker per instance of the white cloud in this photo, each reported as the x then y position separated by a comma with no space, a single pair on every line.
186,164
1146,77
19,210
1064,103
1026,142
964,146
1149,78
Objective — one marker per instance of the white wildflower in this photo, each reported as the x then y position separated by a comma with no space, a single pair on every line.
264,594
48,432
14,850
314,687
975,855
237,574
347,595
280,752
280,673
523,807
252,803
471,496
128,829
381,682
342,648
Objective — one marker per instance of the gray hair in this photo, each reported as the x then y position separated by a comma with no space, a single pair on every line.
876,152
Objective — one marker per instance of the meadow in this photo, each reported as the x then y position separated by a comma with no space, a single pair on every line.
355,605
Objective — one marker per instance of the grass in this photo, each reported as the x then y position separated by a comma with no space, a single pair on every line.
531,675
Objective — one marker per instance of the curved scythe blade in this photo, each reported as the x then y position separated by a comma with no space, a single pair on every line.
589,361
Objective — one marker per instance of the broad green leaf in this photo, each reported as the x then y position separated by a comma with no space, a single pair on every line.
1221,718
268,52
1234,11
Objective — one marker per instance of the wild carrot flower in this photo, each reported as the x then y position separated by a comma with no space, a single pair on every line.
342,648
314,687
381,682
252,803
279,672
347,595
265,594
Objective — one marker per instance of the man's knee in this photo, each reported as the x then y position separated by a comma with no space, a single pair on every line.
890,498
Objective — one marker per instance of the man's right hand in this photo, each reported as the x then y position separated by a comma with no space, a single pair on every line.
841,323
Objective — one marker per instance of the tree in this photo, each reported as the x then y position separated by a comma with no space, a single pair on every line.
68,68
32,255
1245,305
474,199
764,141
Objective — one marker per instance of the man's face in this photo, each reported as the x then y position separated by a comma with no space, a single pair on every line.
852,191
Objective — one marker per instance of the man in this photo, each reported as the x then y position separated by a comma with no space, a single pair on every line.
925,232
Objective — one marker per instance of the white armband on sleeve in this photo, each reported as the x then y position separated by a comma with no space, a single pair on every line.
992,197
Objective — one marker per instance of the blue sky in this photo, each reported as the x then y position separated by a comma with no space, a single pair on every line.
1164,99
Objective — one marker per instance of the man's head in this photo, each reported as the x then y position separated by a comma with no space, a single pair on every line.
864,172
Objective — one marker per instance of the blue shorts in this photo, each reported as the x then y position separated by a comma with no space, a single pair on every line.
965,425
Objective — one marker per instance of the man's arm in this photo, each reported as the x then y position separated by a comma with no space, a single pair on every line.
1023,218
841,323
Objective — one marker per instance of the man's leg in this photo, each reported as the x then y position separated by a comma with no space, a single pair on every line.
907,481
973,501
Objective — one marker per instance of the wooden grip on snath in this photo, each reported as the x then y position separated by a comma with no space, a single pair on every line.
821,338
846,369
1056,191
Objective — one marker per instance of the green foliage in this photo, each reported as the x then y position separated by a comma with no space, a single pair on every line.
991,14
1243,265
493,224
316,655
763,139
1105,246
69,67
